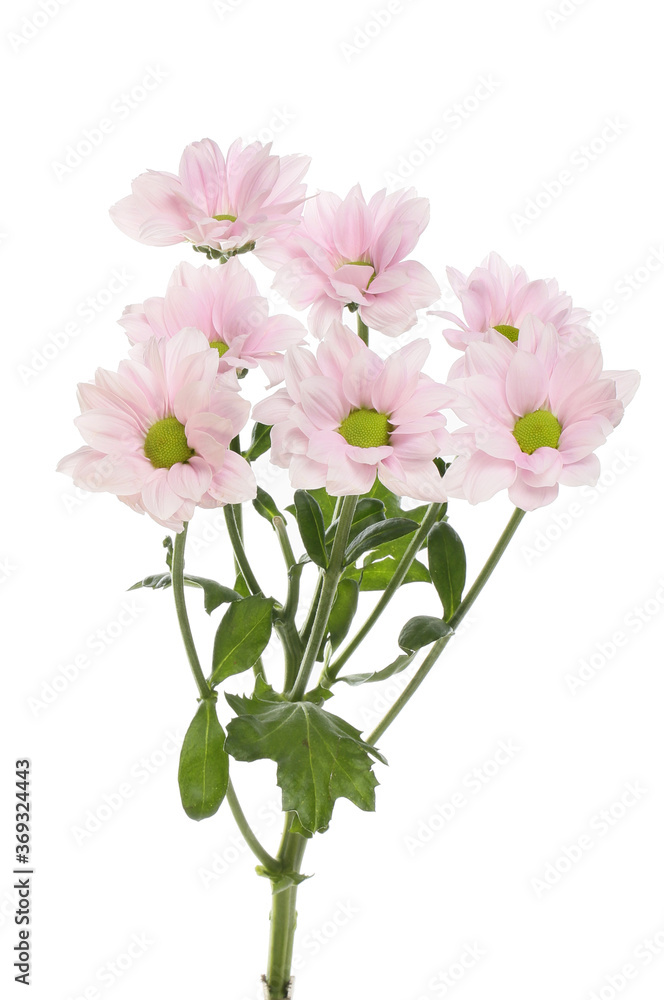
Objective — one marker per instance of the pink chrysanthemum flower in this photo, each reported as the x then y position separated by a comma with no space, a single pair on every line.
244,202
497,297
346,416
225,304
158,432
534,413
351,253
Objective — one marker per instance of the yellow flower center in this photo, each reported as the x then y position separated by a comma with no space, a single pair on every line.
225,218
539,429
511,332
166,443
220,345
365,429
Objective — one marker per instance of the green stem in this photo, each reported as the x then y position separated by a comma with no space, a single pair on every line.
328,593
362,330
285,624
266,859
463,609
398,577
183,619
283,916
239,552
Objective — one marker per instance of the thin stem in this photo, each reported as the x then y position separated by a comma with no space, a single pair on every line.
327,595
285,623
266,859
238,549
305,631
283,916
398,577
362,330
293,596
183,618
463,609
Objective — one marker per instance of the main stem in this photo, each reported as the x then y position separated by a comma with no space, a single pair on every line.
463,609
327,595
283,915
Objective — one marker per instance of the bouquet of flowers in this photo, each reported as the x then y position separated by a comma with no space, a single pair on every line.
358,426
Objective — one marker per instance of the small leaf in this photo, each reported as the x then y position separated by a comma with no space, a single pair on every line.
260,442
422,631
214,593
447,565
158,581
390,670
319,757
242,636
168,545
240,586
312,526
374,535
203,770
265,505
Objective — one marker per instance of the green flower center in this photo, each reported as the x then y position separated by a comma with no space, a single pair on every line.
225,218
365,429
220,345
537,430
166,443
511,332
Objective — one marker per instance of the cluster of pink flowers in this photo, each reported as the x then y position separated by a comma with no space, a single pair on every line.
161,432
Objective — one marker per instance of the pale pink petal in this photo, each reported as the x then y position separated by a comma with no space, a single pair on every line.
526,384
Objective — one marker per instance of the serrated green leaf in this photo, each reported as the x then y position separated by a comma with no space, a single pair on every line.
311,523
203,769
447,565
242,636
376,534
390,670
319,757
265,505
260,442
422,631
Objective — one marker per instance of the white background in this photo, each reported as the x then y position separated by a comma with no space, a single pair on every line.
385,915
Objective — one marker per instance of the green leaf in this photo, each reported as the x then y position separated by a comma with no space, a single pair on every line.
260,442
385,531
368,511
242,636
240,586
390,670
203,770
319,757
447,565
377,575
214,593
343,612
312,526
265,505
326,503
422,631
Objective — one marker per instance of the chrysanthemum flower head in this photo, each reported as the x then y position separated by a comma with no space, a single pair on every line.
158,432
223,302
535,413
496,298
346,416
245,201
352,252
